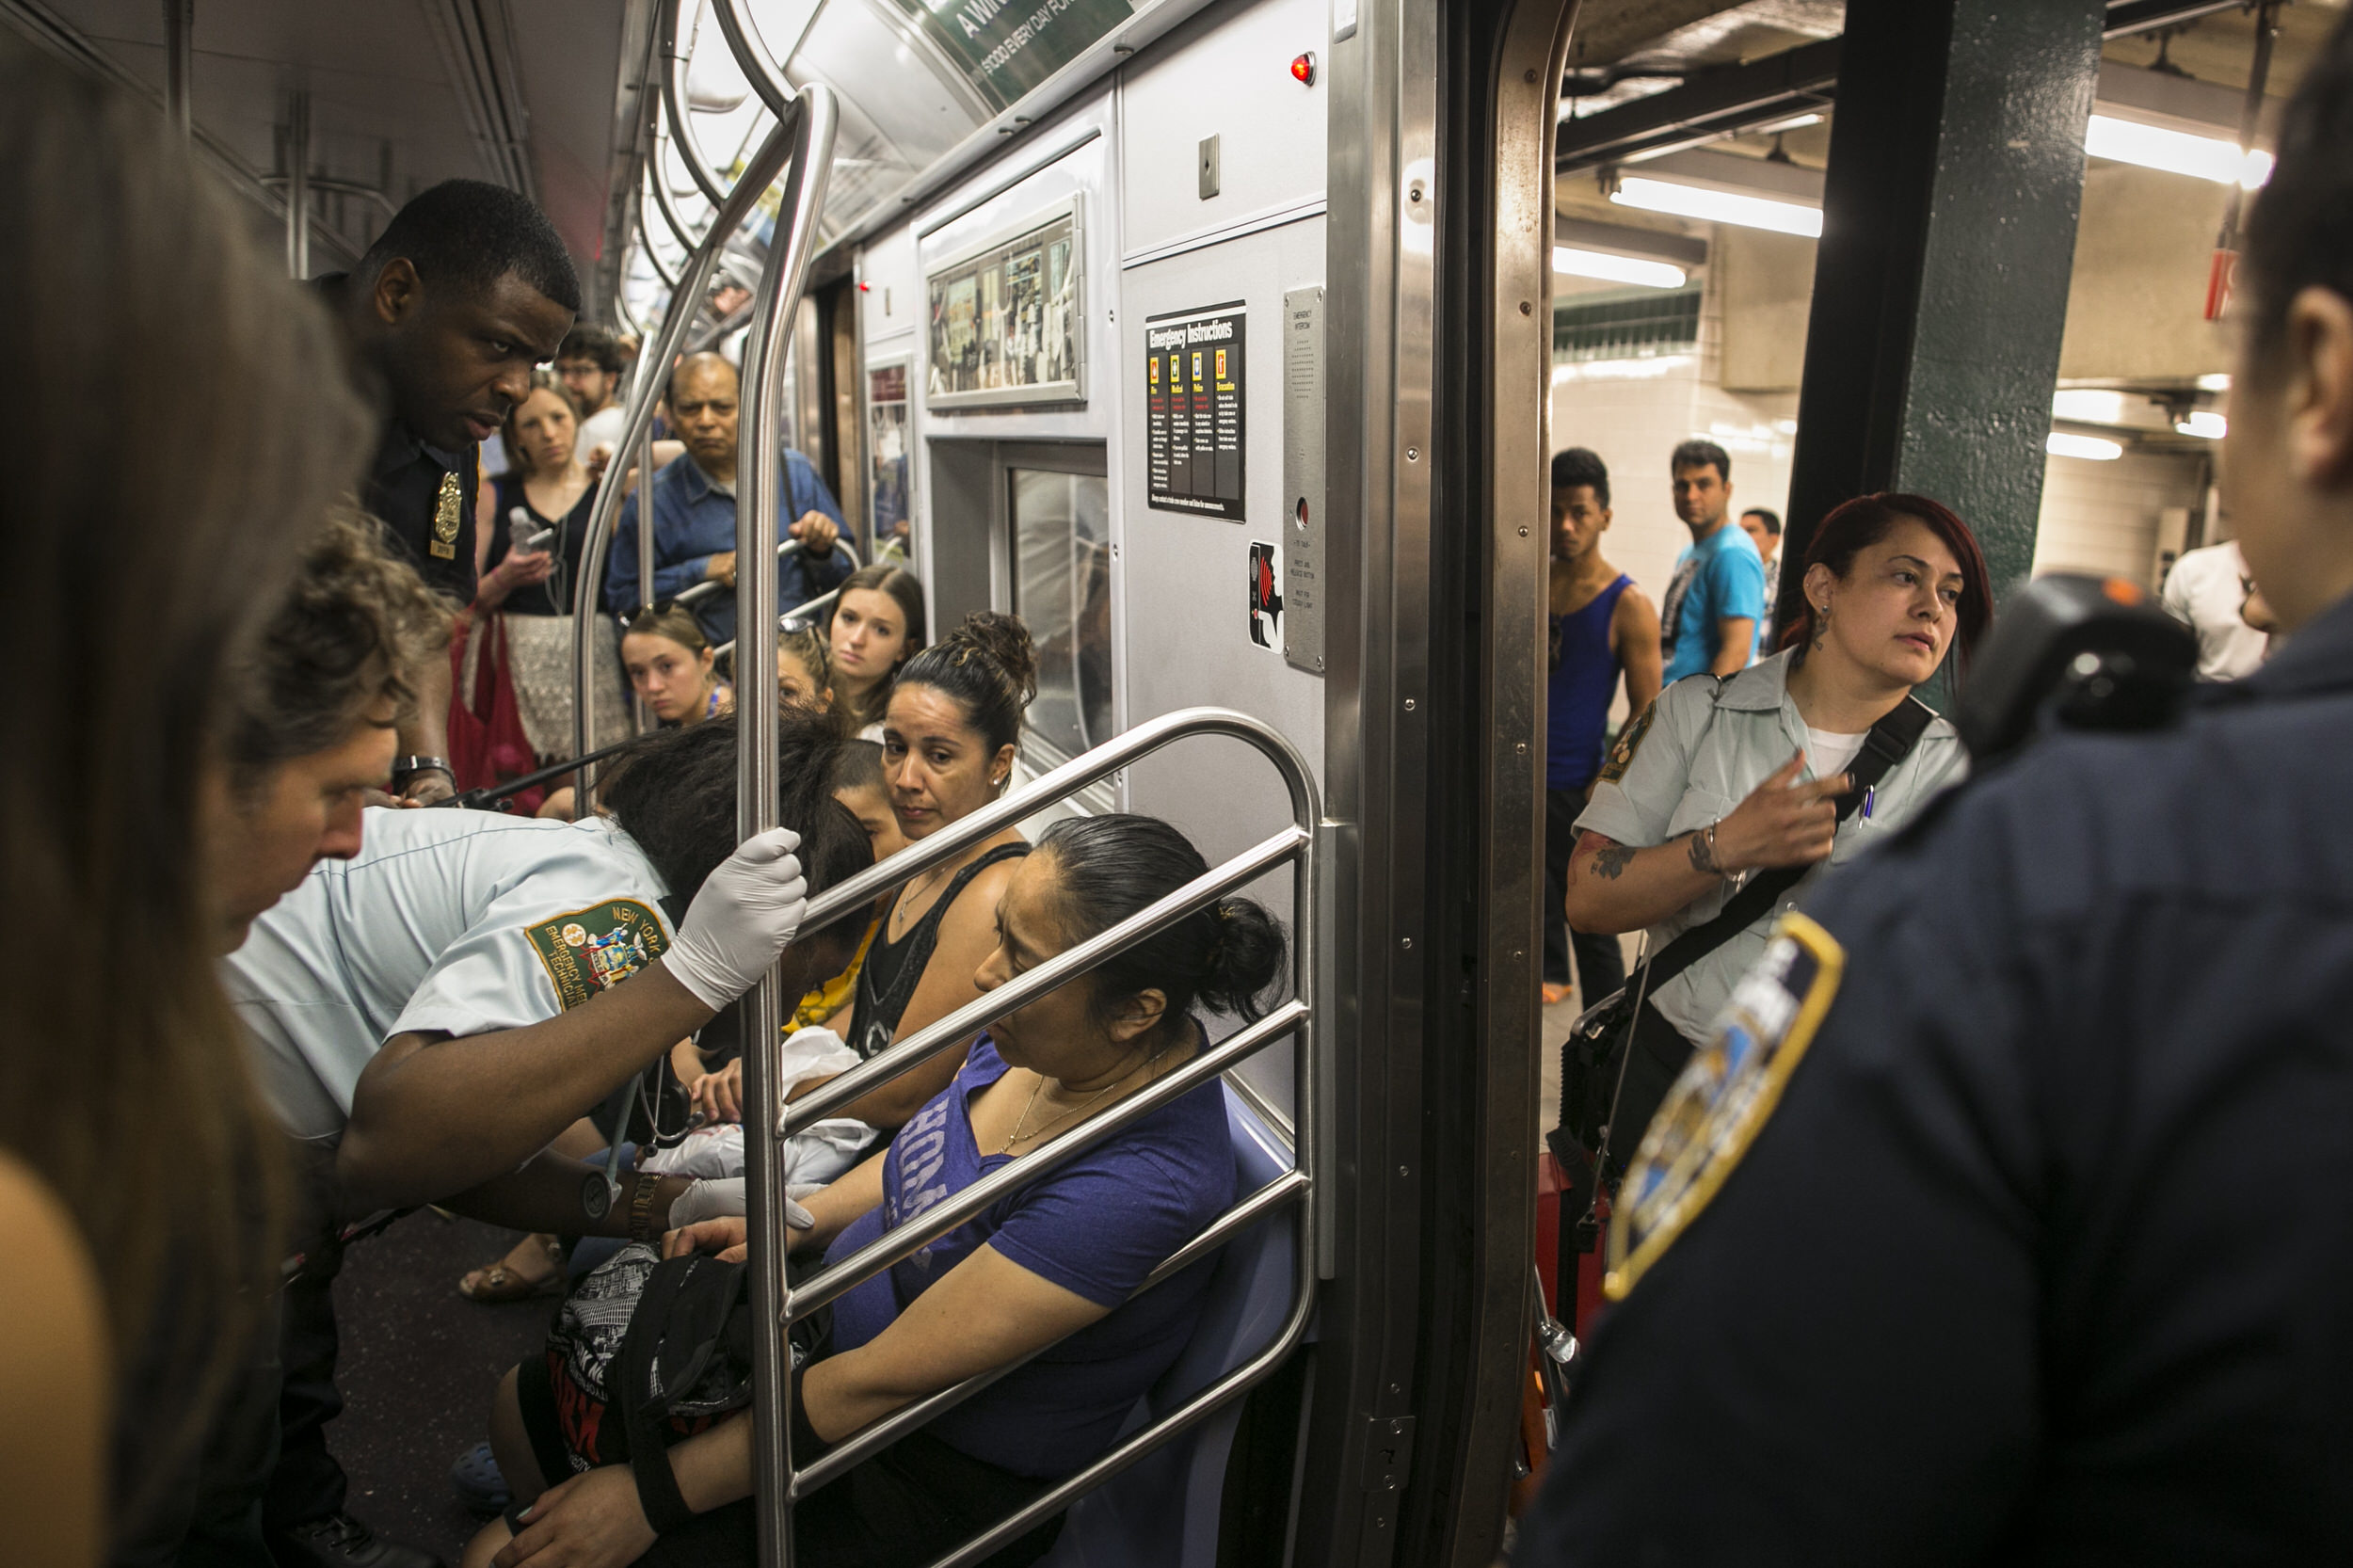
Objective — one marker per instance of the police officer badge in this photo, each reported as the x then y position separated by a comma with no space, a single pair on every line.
1723,1097
447,516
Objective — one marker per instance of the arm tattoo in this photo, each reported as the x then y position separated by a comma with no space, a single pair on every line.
1701,861
1609,857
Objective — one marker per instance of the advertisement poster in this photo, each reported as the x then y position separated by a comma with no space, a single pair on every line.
890,503
1008,322
1195,425
1006,47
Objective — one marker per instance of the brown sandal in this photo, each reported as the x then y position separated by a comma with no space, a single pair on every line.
499,1283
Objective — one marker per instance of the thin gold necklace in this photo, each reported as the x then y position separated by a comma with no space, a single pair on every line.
1020,1121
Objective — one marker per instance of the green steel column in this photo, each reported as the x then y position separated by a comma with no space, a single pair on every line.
1940,288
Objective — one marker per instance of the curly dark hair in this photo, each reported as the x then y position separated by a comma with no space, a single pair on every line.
674,792
353,630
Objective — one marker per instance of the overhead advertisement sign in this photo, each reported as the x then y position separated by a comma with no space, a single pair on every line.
1006,47
1008,322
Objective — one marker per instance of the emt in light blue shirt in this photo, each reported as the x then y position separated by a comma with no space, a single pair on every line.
1717,597
694,511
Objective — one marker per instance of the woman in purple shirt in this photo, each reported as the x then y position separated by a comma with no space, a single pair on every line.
1049,1275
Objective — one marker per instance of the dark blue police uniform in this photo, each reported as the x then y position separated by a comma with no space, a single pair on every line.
2017,1224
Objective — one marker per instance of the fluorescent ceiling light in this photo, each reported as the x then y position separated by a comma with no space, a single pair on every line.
2205,423
2060,444
1718,206
2214,380
1616,269
2215,158
1795,123
2089,406
1637,369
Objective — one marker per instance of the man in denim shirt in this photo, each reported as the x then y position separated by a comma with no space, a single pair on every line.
694,511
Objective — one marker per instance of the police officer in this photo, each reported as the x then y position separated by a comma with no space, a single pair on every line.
2011,1217
466,290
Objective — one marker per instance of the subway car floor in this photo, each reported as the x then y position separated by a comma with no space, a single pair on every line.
419,1365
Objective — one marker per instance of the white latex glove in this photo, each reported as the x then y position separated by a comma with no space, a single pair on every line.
720,1197
746,911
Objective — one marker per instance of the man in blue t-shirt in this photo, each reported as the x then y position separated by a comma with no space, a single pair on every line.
1708,622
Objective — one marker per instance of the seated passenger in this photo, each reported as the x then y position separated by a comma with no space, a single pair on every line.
805,669
1725,777
877,626
1047,1273
948,750
672,667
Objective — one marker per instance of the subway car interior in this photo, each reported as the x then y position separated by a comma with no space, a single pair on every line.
1228,343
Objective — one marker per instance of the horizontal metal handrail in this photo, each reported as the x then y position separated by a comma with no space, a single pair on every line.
784,622
1285,1189
1167,1429
711,586
1049,788
900,1242
904,1056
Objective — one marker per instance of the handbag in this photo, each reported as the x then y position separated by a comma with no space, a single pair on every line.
1621,1055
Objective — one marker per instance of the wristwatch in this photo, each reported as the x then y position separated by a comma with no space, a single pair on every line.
403,768
641,1208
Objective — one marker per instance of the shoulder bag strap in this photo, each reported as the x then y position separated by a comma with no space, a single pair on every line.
1888,743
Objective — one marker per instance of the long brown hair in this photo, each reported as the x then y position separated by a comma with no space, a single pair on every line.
907,590
541,381
182,422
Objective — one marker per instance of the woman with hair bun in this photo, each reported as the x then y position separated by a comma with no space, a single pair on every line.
1058,1264
949,741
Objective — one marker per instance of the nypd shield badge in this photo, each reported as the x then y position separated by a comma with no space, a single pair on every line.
591,950
1723,1097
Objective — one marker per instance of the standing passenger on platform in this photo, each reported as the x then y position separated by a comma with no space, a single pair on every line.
694,511
467,287
2212,589
1602,627
1763,527
1717,596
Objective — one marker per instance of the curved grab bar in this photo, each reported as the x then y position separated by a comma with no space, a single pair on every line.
765,75
674,106
798,612
665,202
772,1121
705,589
790,136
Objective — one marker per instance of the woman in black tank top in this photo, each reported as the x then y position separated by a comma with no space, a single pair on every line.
949,742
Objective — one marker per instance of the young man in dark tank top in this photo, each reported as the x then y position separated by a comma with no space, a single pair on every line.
1601,629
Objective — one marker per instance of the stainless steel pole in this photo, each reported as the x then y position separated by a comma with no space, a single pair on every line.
298,187
679,314
759,465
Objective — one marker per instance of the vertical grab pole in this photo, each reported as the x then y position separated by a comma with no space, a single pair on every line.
179,63
676,318
298,187
759,472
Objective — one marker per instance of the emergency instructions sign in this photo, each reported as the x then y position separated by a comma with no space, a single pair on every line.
1195,419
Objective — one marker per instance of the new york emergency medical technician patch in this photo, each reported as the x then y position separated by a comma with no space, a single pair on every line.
589,950
1720,1103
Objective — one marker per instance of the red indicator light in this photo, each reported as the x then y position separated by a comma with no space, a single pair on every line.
1303,69
865,287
